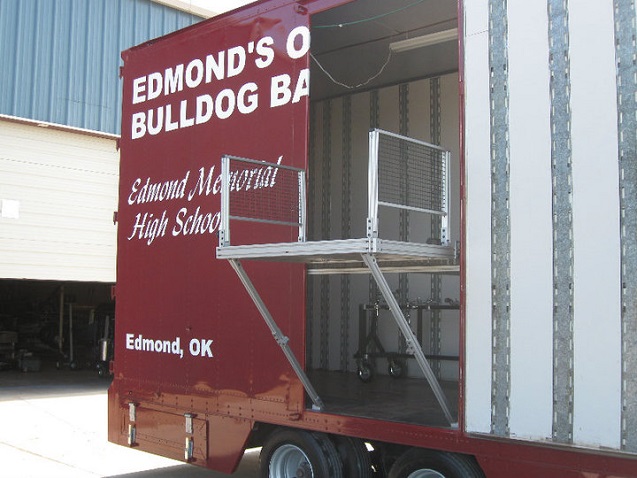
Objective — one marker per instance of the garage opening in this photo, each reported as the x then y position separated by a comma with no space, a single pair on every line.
50,324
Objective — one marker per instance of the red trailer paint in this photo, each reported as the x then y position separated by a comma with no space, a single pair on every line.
278,336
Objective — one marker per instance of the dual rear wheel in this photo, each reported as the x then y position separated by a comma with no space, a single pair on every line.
302,454
421,463
291,453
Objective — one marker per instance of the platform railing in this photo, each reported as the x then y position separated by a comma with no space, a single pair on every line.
403,173
407,174
258,191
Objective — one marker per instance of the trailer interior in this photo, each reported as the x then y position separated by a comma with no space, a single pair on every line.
393,66
380,231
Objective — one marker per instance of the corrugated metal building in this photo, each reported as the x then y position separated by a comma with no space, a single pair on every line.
60,111
61,58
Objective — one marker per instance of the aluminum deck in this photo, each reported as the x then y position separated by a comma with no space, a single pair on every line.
344,256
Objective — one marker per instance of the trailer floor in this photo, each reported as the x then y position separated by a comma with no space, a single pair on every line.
407,400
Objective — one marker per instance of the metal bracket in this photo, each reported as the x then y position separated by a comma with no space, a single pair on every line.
132,417
189,448
132,411
132,434
189,425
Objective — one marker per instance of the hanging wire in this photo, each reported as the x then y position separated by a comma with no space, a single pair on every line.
356,22
370,19
351,87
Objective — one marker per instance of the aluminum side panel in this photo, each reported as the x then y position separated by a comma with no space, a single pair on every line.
478,234
597,288
531,399
542,147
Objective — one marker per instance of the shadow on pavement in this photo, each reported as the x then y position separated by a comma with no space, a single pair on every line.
247,469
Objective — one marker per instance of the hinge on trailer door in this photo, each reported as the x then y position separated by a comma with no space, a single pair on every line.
189,446
132,417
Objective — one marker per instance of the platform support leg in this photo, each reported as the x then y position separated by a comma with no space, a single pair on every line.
281,339
412,343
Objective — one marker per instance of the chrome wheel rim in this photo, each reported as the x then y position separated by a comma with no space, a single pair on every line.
425,473
289,461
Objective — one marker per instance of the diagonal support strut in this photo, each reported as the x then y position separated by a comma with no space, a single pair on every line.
281,339
412,342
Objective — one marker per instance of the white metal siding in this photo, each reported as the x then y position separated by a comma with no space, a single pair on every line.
592,415
597,291
531,222
478,231
64,186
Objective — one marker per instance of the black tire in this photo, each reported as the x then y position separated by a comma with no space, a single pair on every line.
365,371
420,463
286,452
356,460
397,368
102,371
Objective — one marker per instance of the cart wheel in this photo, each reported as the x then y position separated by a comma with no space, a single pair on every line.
102,371
365,371
397,368
356,460
421,463
296,453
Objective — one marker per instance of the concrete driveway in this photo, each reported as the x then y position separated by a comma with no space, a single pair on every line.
54,424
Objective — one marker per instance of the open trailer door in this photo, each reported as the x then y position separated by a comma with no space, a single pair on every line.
238,85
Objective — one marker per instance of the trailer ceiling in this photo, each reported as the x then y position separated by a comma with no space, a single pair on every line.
352,44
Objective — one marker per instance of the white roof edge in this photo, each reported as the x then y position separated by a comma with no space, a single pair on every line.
46,124
187,6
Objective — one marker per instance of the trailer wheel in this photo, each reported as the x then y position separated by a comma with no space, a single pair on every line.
299,454
356,460
420,463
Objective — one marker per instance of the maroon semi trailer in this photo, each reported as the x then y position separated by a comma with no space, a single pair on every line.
382,239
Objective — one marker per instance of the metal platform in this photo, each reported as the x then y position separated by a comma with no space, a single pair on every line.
403,174
344,256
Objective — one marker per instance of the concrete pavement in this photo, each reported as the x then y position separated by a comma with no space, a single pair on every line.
54,424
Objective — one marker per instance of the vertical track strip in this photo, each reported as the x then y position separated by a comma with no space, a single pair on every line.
326,182
403,125
435,335
346,232
561,151
626,56
500,235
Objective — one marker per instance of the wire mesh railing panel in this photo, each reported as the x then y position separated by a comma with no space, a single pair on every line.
411,174
263,192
